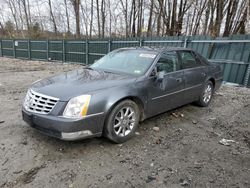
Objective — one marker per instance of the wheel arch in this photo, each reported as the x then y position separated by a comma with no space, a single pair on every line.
135,99
212,80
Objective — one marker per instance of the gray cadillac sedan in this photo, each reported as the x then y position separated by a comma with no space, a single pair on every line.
114,94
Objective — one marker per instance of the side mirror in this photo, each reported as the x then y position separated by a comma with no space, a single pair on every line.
154,73
160,76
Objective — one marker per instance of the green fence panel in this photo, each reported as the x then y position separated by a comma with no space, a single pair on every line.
21,48
1,51
220,51
38,49
164,41
248,81
234,72
56,50
241,72
194,46
99,47
123,43
206,48
200,46
93,58
245,57
75,51
7,48
237,51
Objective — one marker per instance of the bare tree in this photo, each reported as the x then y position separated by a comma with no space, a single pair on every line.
149,30
25,9
76,6
140,17
133,18
173,18
98,18
241,18
102,18
183,8
91,18
67,16
125,13
219,16
13,9
160,14
201,8
52,16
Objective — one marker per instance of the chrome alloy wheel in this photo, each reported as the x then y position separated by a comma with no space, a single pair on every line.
124,121
207,95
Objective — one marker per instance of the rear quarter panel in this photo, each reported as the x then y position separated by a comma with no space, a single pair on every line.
215,72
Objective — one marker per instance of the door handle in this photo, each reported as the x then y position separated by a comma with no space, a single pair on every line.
179,79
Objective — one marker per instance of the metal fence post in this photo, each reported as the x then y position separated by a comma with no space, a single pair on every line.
210,50
246,78
1,47
47,50
185,42
141,42
87,52
14,48
109,45
63,50
29,52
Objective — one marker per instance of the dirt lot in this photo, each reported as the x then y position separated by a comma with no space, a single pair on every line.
184,152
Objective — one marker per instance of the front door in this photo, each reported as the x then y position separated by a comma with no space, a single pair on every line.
166,93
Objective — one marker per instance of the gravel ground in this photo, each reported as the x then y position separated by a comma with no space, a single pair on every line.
185,151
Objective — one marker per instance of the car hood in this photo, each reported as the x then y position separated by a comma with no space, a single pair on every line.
79,82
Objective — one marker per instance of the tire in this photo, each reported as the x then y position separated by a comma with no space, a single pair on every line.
119,126
206,94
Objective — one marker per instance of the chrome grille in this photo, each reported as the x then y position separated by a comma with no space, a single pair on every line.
39,103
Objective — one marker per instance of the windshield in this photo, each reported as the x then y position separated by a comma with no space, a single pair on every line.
135,62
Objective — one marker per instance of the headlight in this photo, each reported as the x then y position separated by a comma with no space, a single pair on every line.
26,101
77,107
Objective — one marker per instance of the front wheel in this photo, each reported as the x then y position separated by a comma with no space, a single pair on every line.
206,94
122,121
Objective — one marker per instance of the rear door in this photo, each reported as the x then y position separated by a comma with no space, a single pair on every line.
166,94
194,75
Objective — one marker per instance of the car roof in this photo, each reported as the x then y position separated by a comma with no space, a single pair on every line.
155,49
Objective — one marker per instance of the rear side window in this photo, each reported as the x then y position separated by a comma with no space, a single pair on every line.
168,62
202,59
188,60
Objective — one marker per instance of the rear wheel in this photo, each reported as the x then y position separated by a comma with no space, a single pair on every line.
122,121
206,94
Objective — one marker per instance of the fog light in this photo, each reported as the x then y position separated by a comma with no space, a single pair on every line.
76,135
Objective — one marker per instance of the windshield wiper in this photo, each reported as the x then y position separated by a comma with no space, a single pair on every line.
107,71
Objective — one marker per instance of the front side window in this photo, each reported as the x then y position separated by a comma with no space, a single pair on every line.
188,60
167,63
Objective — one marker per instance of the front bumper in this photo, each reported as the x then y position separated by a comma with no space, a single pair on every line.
65,128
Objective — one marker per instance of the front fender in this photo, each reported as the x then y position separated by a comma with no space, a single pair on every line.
126,92
104,101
